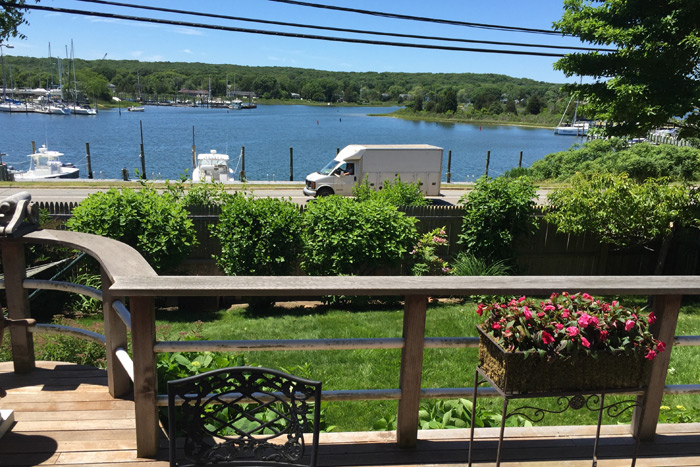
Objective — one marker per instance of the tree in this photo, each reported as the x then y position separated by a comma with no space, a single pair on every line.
11,18
447,101
651,78
534,105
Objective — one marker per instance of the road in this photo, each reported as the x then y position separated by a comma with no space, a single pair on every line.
450,195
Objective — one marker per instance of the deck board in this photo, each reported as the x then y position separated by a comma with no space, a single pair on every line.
65,417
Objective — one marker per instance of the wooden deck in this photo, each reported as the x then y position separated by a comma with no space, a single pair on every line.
65,416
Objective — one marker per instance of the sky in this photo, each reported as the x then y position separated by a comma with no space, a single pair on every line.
97,38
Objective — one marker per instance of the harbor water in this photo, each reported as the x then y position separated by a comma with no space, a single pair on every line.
267,133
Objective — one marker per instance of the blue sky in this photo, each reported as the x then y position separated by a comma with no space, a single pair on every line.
121,39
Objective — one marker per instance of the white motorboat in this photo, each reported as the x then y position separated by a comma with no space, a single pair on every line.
83,110
236,104
134,108
45,164
212,167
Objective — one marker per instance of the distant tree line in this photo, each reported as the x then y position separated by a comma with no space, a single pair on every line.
435,92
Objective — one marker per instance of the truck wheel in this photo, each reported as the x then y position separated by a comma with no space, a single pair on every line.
325,191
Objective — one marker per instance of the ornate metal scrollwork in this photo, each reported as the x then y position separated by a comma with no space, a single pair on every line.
575,402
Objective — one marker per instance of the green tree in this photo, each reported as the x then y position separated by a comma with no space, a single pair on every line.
11,18
651,78
447,101
534,105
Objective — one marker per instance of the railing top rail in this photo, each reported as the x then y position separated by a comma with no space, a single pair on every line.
116,258
300,286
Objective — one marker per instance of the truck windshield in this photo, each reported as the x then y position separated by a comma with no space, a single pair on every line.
329,167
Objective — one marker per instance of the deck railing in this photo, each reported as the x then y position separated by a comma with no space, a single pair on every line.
127,278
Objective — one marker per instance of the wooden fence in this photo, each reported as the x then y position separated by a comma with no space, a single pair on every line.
546,252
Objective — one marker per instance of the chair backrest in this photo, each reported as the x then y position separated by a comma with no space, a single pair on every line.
243,416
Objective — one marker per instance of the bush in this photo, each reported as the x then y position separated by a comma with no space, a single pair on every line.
154,224
396,193
497,211
259,237
343,236
639,161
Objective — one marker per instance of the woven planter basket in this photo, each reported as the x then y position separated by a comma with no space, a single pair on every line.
515,374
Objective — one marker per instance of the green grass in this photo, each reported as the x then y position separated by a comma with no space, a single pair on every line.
379,369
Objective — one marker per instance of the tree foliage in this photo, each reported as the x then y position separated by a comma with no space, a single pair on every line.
11,18
652,77
620,211
496,212
396,193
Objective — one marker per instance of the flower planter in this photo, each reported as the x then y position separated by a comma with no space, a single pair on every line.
514,373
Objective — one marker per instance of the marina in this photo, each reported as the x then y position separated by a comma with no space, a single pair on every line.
314,133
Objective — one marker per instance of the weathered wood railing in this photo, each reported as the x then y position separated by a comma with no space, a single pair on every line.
125,274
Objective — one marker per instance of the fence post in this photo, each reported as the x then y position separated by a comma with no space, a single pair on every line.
143,336
14,264
118,380
411,370
646,416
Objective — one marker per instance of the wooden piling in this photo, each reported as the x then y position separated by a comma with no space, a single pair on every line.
520,161
488,160
242,174
291,164
88,159
142,156
449,165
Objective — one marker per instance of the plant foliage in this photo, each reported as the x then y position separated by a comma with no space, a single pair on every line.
621,211
343,236
496,212
155,224
258,236
396,193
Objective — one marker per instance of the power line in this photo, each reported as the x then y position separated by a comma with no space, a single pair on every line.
330,28
421,18
279,33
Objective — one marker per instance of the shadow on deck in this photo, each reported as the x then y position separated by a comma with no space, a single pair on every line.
66,417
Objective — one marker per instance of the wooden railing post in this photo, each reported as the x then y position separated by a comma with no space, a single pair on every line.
143,336
411,370
115,335
646,416
14,266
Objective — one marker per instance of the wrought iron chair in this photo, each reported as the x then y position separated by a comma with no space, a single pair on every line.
243,416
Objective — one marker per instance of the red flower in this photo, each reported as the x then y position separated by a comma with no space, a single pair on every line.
603,335
495,326
661,346
547,338
527,312
480,309
629,324
585,342
650,356
572,331
652,318
559,326
585,296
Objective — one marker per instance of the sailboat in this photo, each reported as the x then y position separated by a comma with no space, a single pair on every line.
576,128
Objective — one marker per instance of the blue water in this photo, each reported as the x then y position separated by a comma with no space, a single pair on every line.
267,134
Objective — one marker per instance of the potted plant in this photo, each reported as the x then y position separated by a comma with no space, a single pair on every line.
565,343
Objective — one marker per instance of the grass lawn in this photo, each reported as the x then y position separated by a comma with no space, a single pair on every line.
379,369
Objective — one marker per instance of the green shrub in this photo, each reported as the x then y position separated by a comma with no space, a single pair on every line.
396,193
619,210
496,212
424,258
204,194
466,264
343,236
639,161
154,224
259,237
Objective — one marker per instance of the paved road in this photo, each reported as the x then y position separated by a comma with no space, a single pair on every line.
449,195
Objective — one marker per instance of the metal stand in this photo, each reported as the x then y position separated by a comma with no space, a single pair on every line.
591,400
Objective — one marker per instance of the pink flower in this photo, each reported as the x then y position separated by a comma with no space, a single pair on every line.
584,320
549,308
521,299
585,342
585,296
480,309
572,331
565,313
540,314
652,318
661,346
650,356
559,326
495,326
527,313
629,324
603,336
547,338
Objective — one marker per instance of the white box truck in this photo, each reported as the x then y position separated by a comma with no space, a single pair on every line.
378,163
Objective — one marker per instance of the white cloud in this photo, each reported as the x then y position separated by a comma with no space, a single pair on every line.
136,53
187,51
189,31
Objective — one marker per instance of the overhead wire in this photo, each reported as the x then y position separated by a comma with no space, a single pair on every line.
420,18
278,33
337,29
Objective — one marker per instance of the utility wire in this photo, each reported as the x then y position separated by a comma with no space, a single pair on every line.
330,28
421,18
278,33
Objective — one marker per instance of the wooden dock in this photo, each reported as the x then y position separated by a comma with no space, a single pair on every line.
65,417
